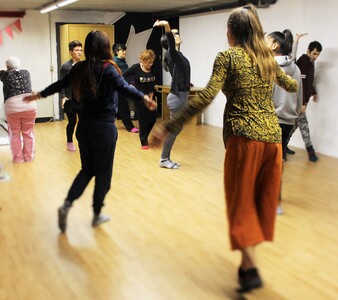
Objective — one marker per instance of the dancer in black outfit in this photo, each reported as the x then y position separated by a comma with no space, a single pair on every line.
143,76
120,51
95,83
179,67
70,107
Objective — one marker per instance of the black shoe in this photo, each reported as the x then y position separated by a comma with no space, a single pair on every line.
248,280
241,275
312,154
289,151
63,212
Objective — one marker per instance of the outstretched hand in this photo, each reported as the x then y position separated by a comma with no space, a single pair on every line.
149,102
158,135
31,97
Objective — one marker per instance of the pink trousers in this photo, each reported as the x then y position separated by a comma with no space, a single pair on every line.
22,123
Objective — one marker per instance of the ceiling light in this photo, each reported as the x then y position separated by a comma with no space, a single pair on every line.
48,8
55,5
64,2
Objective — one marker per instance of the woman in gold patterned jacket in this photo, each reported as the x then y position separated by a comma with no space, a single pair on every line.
252,136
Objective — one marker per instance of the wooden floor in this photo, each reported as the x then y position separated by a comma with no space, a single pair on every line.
167,239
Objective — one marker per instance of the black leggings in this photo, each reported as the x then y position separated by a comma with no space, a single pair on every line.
97,142
124,112
72,119
146,119
286,130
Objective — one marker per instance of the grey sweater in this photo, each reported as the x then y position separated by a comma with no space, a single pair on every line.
288,105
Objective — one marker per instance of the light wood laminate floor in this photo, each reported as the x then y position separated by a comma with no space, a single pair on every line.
167,238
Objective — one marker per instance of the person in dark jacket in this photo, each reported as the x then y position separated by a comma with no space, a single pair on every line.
95,83
179,68
120,51
69,105
307,68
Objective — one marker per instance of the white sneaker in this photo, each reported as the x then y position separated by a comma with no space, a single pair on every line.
169,164
99,219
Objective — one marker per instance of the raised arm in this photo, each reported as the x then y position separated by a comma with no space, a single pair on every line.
295,45
162,23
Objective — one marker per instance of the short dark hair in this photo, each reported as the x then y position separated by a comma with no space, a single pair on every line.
117,47
74,44
315,45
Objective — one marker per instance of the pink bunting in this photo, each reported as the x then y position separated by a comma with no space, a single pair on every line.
17,24
9,31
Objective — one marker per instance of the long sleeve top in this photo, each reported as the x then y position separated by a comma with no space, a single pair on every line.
143,81
67,91
103,105
65,69
307,68
15,82
249,111
179,67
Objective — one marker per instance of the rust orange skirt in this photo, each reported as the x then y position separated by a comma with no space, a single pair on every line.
252,177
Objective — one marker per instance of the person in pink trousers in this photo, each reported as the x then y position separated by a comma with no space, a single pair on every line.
20,115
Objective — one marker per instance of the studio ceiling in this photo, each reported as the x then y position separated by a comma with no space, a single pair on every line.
143,6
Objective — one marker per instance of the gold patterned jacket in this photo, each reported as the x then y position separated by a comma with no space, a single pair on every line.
249,109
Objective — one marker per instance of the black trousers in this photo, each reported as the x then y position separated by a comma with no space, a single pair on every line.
146,119
97,142
124,112
286,130
72,119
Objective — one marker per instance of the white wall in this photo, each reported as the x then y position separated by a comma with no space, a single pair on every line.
32,47
201,44
203,36
36,47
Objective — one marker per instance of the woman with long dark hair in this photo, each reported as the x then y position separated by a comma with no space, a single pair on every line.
95,83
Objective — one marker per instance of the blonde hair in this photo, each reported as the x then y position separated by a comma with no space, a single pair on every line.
246,29
147,55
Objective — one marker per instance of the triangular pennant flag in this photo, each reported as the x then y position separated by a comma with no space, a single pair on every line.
17,24
0,38
9,30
